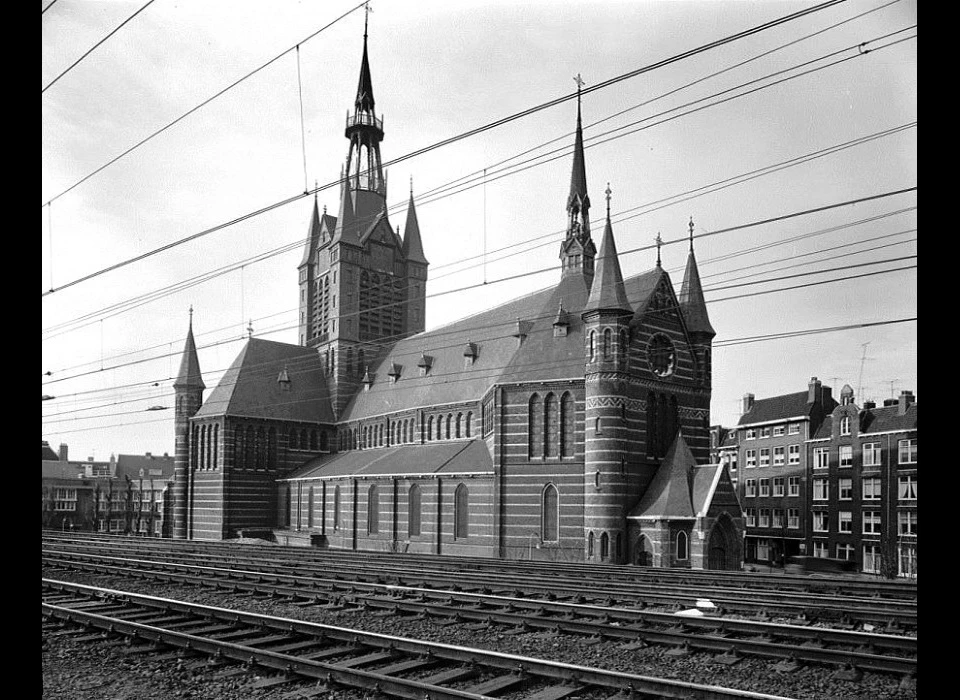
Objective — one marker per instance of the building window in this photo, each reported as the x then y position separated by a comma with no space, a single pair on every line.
765,432
907,522
750,459
845,425
593,346
845,489
764,487
778,430
373,510
821,521
845,521
871,558
604,545
793,486
535,426
870,488
778,456
590,536
793,429
682,553
606,344
336,508
793,456
821,489
765,457
469,424
821,457
310,507
413,511
872,454
908,451
764,517
871,522
907,488
777,517
750,434
793,518
461,512
551,432
751,517
763,550
778,486
750,488
908,560
567,424
65,500
846,455
550,514
845,551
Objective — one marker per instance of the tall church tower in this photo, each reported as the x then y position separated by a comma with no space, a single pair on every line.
188,391
577,251
362,285
694,309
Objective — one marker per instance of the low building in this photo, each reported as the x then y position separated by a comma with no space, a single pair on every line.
863,496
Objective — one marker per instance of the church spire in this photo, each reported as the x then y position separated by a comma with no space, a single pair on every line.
412,245
607,292
577,250
189,374
364,101
691,299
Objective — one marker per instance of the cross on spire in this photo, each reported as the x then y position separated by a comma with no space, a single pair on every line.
250,328
691,234
366,17
659,242
608,192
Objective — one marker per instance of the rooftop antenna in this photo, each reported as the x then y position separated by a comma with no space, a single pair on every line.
863,359
892,382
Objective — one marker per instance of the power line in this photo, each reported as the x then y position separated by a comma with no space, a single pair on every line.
44,10
95,46
452,139
199,106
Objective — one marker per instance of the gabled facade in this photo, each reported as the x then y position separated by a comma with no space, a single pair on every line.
863,496
531,430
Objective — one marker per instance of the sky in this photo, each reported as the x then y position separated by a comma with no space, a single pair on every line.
685,139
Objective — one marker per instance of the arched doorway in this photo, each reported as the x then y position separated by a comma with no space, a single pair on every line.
643,551
723,551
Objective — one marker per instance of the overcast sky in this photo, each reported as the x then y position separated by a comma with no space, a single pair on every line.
439,69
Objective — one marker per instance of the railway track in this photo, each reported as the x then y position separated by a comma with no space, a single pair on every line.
229,641
729,639
829,585
894,615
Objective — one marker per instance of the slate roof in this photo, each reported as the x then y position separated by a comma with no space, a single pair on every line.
785,406
704,483
887,418
825,430
412,244
55,469
152,467
250,387
189,374
47,452
430,458
692,301
607,291
670,494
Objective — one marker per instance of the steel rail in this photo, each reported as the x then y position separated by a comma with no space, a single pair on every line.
497,662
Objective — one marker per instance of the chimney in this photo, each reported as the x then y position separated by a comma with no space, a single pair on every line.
906,398
149,456
813,390
868,405
889,402
746,404
63,452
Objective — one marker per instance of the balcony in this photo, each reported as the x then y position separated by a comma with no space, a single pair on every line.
364,119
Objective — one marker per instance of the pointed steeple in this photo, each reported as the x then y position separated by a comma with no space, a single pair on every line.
691,300
412,245
313,235
364,101
189,375
578,202
607,292
346,220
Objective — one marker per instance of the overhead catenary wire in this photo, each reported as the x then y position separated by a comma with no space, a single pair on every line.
95,46
453,139
729,343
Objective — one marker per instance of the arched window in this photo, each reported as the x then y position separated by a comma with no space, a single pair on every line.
622,348
461,512
324,443
373,510
593,345
469,423
310,507
551,433
449,421
201,451
674,418
430,428
566,424
590,545
663,421
413,512
459,426
261,448
606,343
237,446
249,452
681,545
303,439
550,514
271,448
406,431
619,549
336,508
604,546
535,426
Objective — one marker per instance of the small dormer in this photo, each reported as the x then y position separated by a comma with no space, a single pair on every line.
394,373
521,330
469,354
284,380
425,363
846,395
367,379
561,324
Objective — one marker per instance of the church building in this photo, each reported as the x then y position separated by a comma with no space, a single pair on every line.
570,424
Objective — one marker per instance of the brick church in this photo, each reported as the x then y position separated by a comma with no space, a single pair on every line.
570,424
